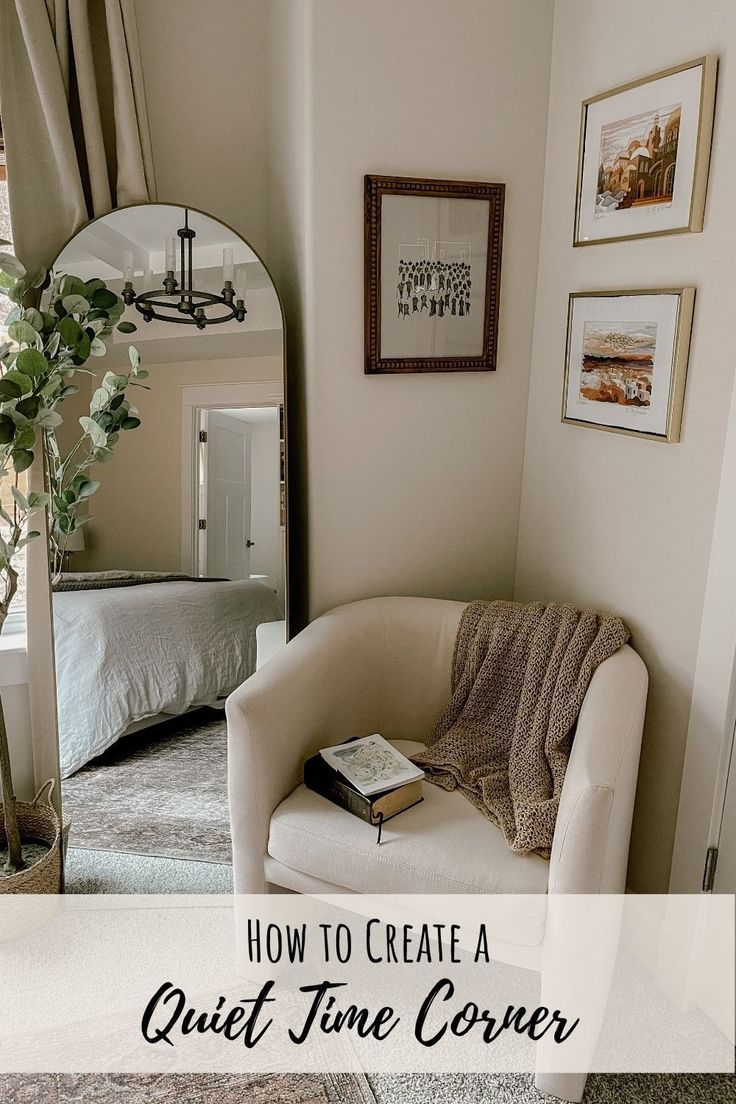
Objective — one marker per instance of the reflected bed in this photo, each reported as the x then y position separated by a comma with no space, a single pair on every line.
127,652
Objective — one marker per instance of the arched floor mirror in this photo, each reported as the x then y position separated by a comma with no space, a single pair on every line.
169,565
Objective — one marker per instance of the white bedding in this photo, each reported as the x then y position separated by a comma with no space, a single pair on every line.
128,653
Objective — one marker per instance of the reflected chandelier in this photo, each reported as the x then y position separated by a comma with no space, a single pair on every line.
180,302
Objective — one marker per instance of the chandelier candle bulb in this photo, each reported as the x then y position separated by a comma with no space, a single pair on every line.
170,254
228,268
128,265
241,279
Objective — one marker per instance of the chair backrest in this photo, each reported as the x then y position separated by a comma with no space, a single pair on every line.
418,645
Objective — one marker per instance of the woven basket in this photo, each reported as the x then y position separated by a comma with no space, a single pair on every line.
38,821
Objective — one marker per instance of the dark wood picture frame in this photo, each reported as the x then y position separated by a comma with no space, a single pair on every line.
375,188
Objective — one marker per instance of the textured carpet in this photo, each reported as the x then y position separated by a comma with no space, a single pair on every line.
518,1088
113,872
204,1088
161,791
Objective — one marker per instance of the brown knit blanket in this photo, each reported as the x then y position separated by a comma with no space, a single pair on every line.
519,677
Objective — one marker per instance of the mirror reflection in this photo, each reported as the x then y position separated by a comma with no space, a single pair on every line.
169,521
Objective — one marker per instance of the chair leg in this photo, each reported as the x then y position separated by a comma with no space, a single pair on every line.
578,959
565,1086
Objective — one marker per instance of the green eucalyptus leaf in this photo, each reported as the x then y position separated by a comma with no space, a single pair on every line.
29,407
75,304
104,299
25,438
99,399
88,488
94,432
98,348
131,423
31,363
28,537
71,332
71,285
93,285
22,332
49,419
38,498
103,455
22,459
83,349
11,265
7,429
127,327
24,382
134,357
34,318
19,498
9,390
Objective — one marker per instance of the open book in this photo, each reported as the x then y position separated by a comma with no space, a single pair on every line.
371,764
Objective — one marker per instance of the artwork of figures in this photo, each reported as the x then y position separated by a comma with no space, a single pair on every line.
644,156
626,360
433,256
438,287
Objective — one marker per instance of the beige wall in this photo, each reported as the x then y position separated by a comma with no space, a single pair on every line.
413,482
609,520
136,514
204,78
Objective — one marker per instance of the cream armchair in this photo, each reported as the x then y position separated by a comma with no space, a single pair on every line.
384,665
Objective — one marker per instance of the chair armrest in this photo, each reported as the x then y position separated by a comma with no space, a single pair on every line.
591,843
320,689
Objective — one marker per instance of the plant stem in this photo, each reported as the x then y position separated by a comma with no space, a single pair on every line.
10,813
12,834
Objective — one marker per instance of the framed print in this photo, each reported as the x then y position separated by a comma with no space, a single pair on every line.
432,274
626,360
644,154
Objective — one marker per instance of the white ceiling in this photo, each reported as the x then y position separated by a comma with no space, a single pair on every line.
144,229
97,251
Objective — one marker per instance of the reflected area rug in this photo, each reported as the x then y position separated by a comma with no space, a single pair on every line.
159,792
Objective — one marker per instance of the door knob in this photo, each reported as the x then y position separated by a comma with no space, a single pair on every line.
249,544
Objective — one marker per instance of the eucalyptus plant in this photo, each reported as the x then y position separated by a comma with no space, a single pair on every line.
46,351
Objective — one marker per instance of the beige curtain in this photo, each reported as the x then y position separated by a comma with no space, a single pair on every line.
74,117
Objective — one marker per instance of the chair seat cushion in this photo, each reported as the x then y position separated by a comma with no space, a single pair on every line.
443,845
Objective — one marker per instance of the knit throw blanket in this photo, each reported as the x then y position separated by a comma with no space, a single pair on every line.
519,677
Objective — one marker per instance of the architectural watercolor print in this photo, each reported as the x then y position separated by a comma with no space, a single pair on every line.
626,361
432,272
644,154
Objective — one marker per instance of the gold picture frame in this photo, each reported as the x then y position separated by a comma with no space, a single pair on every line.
697,156
670,405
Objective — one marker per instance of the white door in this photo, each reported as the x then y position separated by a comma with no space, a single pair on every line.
227,514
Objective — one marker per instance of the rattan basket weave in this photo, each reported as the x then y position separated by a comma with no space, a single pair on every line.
38,821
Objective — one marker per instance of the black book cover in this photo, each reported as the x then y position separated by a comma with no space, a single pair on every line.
323,779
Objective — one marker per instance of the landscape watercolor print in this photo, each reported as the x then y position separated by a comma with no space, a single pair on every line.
618,363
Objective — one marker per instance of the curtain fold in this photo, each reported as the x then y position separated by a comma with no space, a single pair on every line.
74,117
